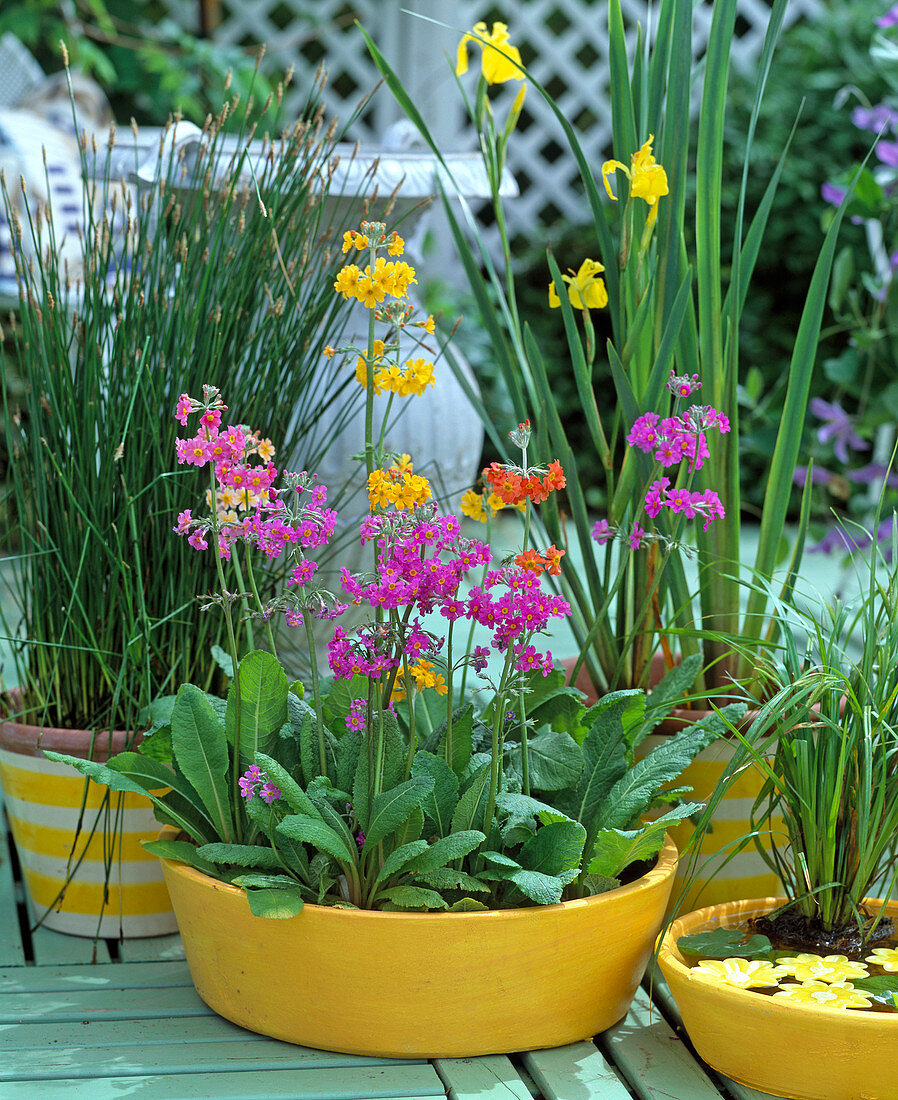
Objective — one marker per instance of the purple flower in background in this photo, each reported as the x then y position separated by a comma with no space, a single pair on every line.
837,538
837,427
602,531
874,118
887,152
832,194
890,19
819,475
874,471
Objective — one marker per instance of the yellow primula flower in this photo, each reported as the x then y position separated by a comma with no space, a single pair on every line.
347,281
817,968
744,973
265,450
418,376
830,995
648,180
351,239
403,464
397,244
496,66
397,488
885,957
471,505
585,290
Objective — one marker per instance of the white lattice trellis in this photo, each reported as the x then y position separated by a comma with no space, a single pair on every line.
565,43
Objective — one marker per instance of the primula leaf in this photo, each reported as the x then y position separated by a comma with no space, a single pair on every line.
469,812
182,851
554,848
882,988
462,731
415,897
241,855
633,793
673,686
263,703
599,884
446,878
224,661
445,850
468,905
411,830
523,806
724,943
555,760
261,881
348,749
440,804
314,831
279,903
200,748
615,849
136,774
543,889
398,858
392,807
294,796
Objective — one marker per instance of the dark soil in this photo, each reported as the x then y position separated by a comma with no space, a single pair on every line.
790,929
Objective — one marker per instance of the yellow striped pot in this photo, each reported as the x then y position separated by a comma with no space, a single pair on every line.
714,875
44,802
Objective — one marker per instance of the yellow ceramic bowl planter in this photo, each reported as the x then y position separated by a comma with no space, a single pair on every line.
412,985
798,1051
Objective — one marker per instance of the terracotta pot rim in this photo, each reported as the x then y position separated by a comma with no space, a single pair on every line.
664,869
30,739
669,958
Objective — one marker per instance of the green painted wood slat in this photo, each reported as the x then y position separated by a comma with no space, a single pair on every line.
52,1062
413,1082
490,1078
575,1072
656,1065
99,1004
38,979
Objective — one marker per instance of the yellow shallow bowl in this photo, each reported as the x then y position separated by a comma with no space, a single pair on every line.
415,985
797,1051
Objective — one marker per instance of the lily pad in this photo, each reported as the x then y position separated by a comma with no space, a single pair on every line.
882,988
724,943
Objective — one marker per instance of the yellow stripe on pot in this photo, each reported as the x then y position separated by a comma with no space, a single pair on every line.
137,899
35,837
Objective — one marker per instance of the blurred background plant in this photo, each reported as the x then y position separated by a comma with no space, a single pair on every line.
855,424
216,271
148,66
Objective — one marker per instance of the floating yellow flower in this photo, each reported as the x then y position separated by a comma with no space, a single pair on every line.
744,973
497,67
885,957
818,968
830,995
586,289
424,676
648,180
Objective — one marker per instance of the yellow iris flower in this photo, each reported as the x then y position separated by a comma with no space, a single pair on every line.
585,290
498,57
648,180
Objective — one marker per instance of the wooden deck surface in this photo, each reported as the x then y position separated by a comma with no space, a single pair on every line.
131,1025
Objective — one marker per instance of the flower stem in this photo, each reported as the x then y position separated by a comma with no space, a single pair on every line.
316,691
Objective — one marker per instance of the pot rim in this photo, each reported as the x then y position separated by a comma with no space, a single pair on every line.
725,996
664,869
30,739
